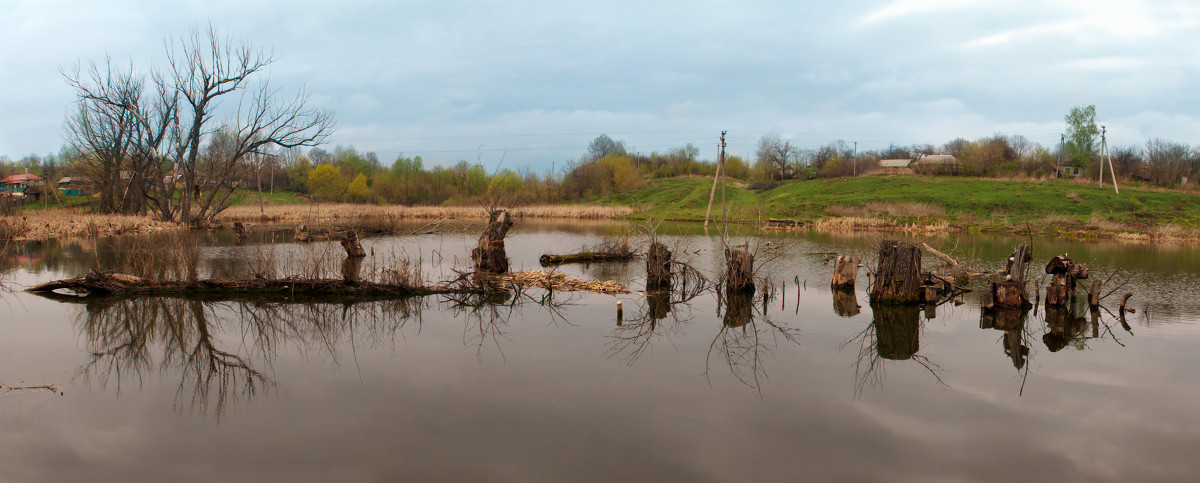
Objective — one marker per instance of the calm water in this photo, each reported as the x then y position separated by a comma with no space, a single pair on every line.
806,386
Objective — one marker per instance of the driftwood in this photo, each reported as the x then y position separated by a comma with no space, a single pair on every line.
489,255
353,248
845,271
898,276
584,257
739,271
97,283
1065,273
658,267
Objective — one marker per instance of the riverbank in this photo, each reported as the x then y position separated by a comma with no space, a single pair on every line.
877,203
934,204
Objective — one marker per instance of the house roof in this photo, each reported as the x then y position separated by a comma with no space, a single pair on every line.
894,163
937,159
21,178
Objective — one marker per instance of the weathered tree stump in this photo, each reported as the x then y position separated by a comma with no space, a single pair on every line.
845,271
1010,293
1065,273
240,230
351,268
353,248
739,271
489,255
898,277
302,235
658,267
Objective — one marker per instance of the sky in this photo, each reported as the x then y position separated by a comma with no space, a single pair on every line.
530,84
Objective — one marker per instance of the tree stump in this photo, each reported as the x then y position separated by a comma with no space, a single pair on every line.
898,277
1094,294
739,271
845,271
658,267
1065,272
240,230
353,248
351,268
302,235
489,255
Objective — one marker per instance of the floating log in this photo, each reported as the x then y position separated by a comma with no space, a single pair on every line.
658,267
353,248
489,255
584,257
739,271
845,271
898,277
1065,273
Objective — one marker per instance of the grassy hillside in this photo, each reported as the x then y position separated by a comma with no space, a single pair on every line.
966,203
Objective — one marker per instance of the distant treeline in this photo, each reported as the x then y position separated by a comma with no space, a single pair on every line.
608,167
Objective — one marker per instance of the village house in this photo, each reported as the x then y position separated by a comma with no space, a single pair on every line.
25,185
924,164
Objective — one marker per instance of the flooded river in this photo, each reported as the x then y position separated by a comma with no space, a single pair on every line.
544,386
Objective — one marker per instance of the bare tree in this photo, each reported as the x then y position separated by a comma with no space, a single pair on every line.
777,157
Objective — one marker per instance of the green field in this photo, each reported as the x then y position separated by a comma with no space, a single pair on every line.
974,204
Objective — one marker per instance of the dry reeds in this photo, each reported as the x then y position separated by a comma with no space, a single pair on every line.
68,223
383,217
899,209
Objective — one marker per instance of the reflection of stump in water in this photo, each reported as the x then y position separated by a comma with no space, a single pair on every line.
658,267
351,268
845,303
898,277
1065,327
897,330
659,304
739,308
489,255
1012,322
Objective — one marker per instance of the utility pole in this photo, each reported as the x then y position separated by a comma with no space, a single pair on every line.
720,169
1062,149
1104,155
854,160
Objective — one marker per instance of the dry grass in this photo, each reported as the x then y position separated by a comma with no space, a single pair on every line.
857,223
384,216
63,224
900,209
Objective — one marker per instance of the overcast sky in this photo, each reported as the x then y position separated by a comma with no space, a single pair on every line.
441,79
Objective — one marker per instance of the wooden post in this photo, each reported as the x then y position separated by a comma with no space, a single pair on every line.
739,271
898,277
845,271
658,267
489,255
1094,294
353,248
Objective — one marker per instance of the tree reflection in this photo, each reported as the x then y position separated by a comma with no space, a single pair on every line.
1015,340
223,349
744,342
893,335
659,319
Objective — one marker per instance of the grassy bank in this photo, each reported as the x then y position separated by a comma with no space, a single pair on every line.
1055,207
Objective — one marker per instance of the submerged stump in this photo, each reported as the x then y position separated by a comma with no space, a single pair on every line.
1065,274
1010,293
489,255
898,276
845,271
658,267
739,271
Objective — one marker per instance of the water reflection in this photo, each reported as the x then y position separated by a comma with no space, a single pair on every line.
845,303
1015,340
658,320
894,334
222,350
745,341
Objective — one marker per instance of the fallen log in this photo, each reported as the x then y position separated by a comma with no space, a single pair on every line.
584,257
